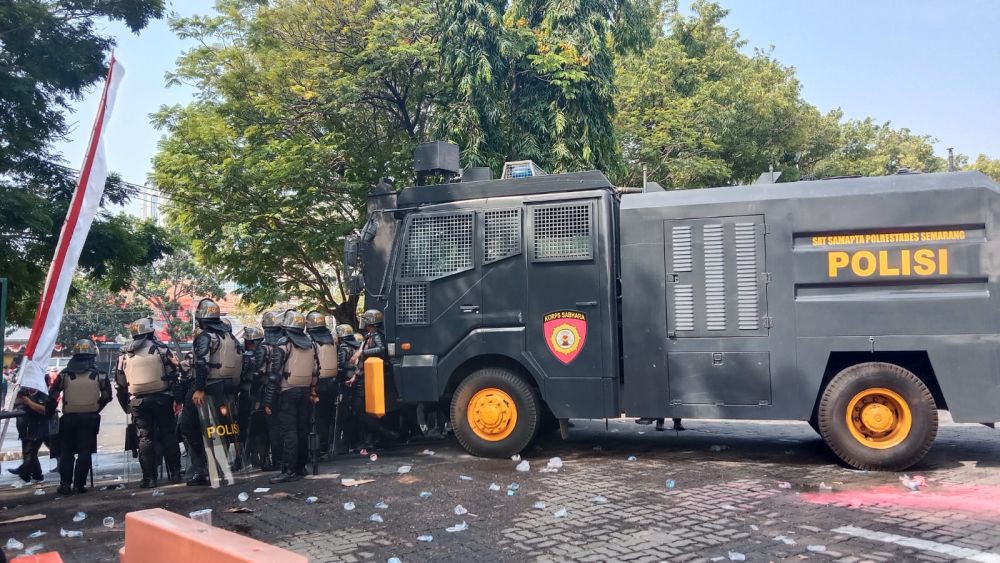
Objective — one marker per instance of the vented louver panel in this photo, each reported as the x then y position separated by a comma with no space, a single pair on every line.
684,307
502,234
747,279
437,246
715,278
681,250
562,232
411,301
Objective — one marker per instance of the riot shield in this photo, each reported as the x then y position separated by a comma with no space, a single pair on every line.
220,435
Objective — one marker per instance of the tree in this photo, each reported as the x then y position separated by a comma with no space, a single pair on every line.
97,312
51,52
988,166
868,148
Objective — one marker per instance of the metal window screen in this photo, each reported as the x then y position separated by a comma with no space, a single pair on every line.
411,304
438,245
562,233
502,228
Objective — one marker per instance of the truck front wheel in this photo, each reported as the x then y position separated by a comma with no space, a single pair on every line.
495,413
877,416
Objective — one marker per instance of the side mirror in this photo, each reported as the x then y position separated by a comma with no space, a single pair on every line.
352,254
355,284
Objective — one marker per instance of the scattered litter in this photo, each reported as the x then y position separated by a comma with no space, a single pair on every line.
314,500
425,494
460,510
79,516
641,433
816,548
34,549
560,513
785,540
311,477
600,499
279,495
243,497
381,505
512,488
737,556
376,518
426,538
17,485
464,478
598,449
523,466
14,545
722,448
632,458
408,479
35,535
426,452
671,484
204,516
69,533
259,490
914,484
39,492
717,559
355,482
157,493
754,528
233,510
29,518
363,452
515,457
373,457
554,463
394,560
348,506
494,487
825,487
539,505
784,485
117,487
404,469
457,527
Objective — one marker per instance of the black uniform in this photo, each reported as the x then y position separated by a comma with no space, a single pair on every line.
271,337
345,424
32,430
153,412
295,401
326,389
81,419
250,401
373,346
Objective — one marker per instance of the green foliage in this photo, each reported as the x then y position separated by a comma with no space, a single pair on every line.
988,166
51,52
867,148
95,311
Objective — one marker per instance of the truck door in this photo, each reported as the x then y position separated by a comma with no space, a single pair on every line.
438,291
569,320
717,323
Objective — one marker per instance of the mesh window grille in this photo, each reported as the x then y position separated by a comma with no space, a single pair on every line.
502,230
438,245
562,233
411,304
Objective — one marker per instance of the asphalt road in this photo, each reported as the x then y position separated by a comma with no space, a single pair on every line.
763,491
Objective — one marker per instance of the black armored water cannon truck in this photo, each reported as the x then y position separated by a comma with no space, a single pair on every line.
860,305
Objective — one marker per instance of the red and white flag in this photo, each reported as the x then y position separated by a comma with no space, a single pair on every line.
82,210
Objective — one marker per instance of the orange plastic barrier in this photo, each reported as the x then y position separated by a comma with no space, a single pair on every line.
50,557
159,536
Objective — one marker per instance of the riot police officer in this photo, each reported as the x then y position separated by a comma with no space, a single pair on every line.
293,376
85,391
149,390
217,371
346,415
271,323
253,432
372,346
326,387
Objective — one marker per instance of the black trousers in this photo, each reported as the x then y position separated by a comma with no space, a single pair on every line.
30,466
293,417
190,424
327,390
78,442
157,431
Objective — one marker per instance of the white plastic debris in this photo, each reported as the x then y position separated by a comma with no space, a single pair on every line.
34,549
737,556
494,487
79,516
426,538
555,463
539,505
465,478
312,500
523,466
259,490
14,545
39,492
825,487
243,497
157,493
599,499
515,457
373,457
108,522
914,483
63,533
560,513
457,527
721,448
404,469
785,540
425,494
460,510
348,506
784,485
426,452
632,458
36,535
670,483
394,560
816,548
381,505
376,518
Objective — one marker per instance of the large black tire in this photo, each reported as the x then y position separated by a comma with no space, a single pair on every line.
831,416
524,401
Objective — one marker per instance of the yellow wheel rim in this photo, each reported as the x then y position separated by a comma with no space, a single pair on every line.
492,414
879,418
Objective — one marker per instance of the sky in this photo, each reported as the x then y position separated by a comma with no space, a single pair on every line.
931,66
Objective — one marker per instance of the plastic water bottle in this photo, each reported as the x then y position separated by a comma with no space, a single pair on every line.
109,522
243,497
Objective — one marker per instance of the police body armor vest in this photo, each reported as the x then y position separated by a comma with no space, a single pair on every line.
81,394
299,366
225,361
144,371
327,361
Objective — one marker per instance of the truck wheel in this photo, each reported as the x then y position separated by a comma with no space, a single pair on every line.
877,416
495,413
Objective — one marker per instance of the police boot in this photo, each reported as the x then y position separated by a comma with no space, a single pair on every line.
284,477
147,483
174,478
197,479
64,490
80,489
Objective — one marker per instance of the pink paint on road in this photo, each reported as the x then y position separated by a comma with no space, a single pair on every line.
984,501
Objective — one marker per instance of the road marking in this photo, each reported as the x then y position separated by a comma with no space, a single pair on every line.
925,545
